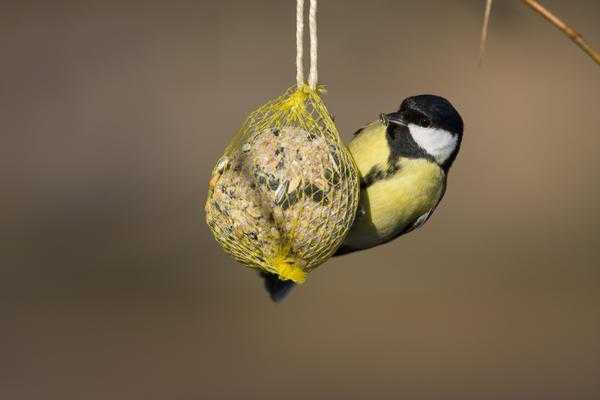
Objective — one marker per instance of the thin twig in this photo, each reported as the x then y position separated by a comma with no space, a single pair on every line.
484,29
566,29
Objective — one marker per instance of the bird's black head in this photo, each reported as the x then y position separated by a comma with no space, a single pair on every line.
427,110
434,125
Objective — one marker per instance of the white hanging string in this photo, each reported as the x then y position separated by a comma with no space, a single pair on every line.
312,21
299,42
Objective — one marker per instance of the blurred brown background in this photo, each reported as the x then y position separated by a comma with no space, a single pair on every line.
112,114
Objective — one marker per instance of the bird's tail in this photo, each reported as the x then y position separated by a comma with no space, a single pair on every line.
278,289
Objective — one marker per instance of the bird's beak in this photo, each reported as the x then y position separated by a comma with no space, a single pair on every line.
393,118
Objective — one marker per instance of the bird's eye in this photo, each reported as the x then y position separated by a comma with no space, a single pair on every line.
425,122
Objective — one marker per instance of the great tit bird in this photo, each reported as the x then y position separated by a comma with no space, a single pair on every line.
403,159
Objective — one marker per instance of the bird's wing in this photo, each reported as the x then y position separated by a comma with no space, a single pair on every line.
343,250
419,222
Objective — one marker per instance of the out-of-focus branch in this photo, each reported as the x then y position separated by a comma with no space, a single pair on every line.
484,29
566,29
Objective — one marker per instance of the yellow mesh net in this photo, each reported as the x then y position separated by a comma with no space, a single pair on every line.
284,194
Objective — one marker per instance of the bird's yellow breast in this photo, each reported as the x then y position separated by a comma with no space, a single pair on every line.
395,202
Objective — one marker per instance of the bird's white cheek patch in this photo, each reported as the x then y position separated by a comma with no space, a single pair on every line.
439,143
